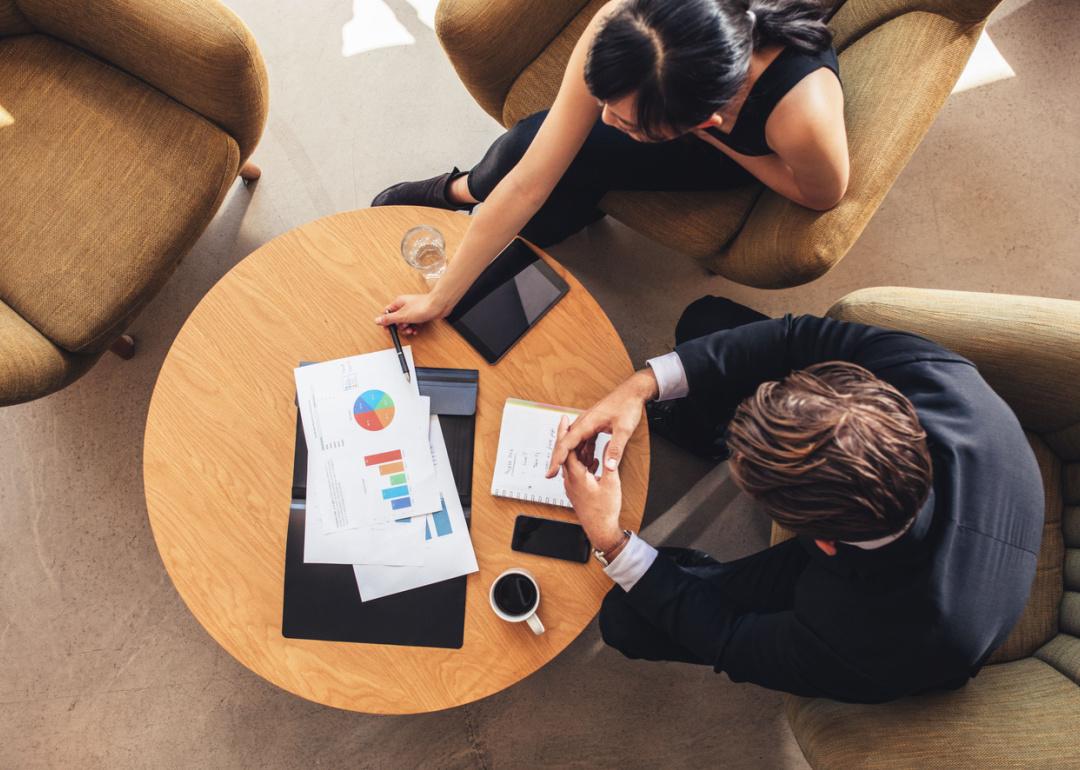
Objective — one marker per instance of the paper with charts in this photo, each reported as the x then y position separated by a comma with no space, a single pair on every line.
371,479
448,551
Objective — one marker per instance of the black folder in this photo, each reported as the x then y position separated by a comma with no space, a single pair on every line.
322,600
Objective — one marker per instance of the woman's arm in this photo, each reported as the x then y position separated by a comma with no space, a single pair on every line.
519,195
807,134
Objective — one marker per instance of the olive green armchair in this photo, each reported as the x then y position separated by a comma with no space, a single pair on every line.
899,60
123,123
1023,709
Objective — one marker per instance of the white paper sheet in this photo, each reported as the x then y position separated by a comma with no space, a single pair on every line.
366,431
448,550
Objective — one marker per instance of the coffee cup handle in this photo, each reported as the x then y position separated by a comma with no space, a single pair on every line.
535,624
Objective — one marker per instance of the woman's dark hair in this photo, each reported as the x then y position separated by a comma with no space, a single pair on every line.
685,59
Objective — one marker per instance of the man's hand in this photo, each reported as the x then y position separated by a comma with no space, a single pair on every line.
596,501
617,413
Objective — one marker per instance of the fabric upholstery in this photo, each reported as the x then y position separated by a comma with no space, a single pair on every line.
1072,484
1070,613
196,51
996,332
12,21
1016,715
1063,653
108,185
30,365
490,43
896,77
1039,622
854,18
1071,529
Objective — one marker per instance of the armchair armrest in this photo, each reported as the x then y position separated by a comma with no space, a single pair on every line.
896,77
196,51
490,43
1025,347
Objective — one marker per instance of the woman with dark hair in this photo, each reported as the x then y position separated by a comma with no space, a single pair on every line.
657,95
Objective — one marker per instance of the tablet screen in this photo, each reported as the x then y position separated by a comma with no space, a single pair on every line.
511,295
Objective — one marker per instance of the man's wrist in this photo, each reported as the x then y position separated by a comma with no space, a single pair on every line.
610,543
644,384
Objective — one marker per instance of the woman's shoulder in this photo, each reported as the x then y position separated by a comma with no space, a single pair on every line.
816,99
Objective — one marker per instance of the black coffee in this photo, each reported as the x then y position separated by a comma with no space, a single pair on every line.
515,594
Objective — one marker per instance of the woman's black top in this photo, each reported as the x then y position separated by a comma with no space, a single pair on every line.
747,136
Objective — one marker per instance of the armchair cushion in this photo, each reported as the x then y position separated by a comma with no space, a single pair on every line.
109,183
30,365
1019,715
490,43
196,51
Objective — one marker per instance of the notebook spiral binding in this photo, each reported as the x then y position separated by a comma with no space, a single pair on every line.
530,498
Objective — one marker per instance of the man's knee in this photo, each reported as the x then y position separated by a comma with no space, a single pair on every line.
698,319
710,314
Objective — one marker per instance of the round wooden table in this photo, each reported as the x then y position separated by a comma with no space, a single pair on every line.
218,456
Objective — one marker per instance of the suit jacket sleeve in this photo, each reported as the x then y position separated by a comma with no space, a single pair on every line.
733,362
772,649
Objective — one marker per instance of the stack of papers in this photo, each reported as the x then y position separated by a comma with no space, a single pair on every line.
380,491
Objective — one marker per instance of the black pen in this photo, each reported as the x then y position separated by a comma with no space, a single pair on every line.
400,352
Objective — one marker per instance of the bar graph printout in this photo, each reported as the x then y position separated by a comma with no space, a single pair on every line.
370,471
447,546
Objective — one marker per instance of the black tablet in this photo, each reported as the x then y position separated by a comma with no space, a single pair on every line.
506,300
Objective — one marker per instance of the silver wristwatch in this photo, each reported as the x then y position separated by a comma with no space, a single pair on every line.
601,556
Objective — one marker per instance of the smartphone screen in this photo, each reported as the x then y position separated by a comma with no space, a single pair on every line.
547,537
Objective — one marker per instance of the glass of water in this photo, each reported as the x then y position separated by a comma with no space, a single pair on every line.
424,248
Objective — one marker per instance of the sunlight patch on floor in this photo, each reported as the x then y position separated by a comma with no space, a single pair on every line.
985,66
374,25
5,118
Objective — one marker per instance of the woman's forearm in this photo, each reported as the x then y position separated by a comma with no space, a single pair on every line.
502,216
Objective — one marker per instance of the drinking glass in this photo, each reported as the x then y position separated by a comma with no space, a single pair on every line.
424,248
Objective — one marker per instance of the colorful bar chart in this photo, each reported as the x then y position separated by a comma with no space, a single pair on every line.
441,519
394,487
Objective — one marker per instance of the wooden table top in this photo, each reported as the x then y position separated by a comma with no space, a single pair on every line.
218,457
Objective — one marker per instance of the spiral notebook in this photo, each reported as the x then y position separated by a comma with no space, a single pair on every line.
526,439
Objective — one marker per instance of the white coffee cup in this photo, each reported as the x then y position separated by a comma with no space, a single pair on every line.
517,592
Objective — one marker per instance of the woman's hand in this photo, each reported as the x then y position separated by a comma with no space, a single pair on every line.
596,502
409,311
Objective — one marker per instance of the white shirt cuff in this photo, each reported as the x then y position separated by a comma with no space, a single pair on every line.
670,376
632,562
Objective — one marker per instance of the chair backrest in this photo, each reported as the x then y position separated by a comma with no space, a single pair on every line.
1025,348
853,19
196,51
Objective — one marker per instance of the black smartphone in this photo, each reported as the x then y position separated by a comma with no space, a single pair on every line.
510,297
547,537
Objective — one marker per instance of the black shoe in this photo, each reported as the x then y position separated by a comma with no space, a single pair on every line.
427,192
667,420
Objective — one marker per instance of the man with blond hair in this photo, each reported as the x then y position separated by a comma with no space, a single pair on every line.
915,499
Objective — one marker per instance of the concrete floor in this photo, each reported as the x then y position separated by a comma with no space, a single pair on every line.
101,665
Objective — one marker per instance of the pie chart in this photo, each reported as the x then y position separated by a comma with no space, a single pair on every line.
373,410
